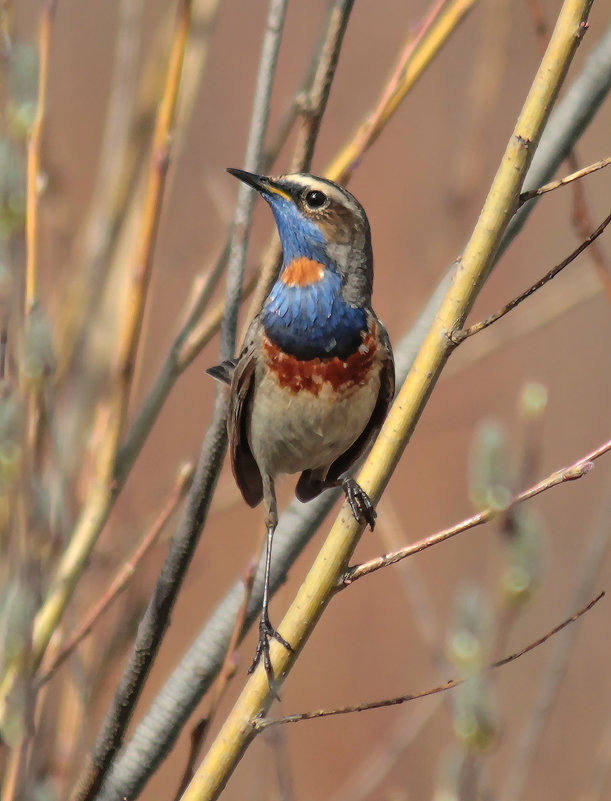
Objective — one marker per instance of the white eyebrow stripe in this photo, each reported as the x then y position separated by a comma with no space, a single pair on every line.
333,191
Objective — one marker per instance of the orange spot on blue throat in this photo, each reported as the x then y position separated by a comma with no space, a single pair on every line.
302,272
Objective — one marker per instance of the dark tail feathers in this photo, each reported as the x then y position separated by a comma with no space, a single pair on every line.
224,371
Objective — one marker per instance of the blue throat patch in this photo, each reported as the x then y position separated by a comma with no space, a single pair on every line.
314,320
311,320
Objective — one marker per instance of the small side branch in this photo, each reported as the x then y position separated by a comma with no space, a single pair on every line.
577,470
459,336
574,176
260,724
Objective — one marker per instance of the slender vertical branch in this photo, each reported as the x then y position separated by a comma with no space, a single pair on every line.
34,150
160,158
314,101
254,149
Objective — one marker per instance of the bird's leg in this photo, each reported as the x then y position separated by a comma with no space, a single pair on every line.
360,503
266,630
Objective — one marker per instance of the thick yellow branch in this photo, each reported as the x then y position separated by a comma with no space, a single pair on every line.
471,271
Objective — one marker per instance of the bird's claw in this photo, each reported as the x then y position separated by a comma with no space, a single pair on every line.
266,633
360,503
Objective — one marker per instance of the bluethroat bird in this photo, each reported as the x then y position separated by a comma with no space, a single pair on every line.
315,377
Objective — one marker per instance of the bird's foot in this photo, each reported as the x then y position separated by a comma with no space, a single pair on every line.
266,633
359,501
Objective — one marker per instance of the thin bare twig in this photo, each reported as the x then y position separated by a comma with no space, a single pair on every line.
260,724
542,190
581,214
576,289
577,470
460,336
583,225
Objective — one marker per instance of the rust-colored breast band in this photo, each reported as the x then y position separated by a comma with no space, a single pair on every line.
343,375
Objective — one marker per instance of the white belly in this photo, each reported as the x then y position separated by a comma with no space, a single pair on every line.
292,432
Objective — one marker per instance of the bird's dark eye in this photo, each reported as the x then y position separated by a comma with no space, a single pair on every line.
315,199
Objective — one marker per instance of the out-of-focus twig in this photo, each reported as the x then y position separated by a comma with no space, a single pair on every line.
370,773
34,150
580,102
531,732
114,179
33,177
581,213
583,226
191,338
441,21
124,576
377,765
13,784
483,97
596,789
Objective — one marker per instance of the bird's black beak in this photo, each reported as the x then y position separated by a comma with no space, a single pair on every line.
259,182
256,181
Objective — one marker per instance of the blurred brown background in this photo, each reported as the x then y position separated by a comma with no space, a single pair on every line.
422,185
